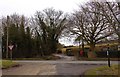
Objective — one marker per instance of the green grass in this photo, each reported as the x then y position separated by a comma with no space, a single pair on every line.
7,64
97,59
104,70
0,63
51,57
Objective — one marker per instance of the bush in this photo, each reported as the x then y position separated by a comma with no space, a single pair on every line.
59,51
103,54
52,57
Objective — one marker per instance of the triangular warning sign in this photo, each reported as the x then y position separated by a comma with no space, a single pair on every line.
11,47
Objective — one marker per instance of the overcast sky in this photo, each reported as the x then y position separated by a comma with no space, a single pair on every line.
29,7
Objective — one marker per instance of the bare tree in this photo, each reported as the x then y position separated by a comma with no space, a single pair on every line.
50,23
91,26
115,11
111,11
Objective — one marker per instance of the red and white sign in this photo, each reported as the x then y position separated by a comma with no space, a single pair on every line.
11,47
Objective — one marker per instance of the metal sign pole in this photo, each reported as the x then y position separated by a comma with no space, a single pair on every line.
11,47
108,57
11,54
109,61
7,37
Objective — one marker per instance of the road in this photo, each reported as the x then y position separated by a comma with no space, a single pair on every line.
53,67
65,66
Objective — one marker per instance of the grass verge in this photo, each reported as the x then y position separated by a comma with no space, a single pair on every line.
51,57
7,64
97,59
104,70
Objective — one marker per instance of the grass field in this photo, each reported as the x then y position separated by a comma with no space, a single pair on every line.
104,70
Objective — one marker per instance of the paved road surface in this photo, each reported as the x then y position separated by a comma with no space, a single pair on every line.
31,68
53,67
64,66
0,72
81,62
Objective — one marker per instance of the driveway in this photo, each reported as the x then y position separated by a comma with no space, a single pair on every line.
64,57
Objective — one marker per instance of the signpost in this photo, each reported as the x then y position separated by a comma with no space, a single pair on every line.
11,47
108,57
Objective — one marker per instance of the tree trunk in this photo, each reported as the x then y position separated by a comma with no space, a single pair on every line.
91,52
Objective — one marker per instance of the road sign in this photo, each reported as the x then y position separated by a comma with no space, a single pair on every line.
11,47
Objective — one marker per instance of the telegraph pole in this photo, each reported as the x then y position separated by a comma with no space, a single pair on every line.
7,37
